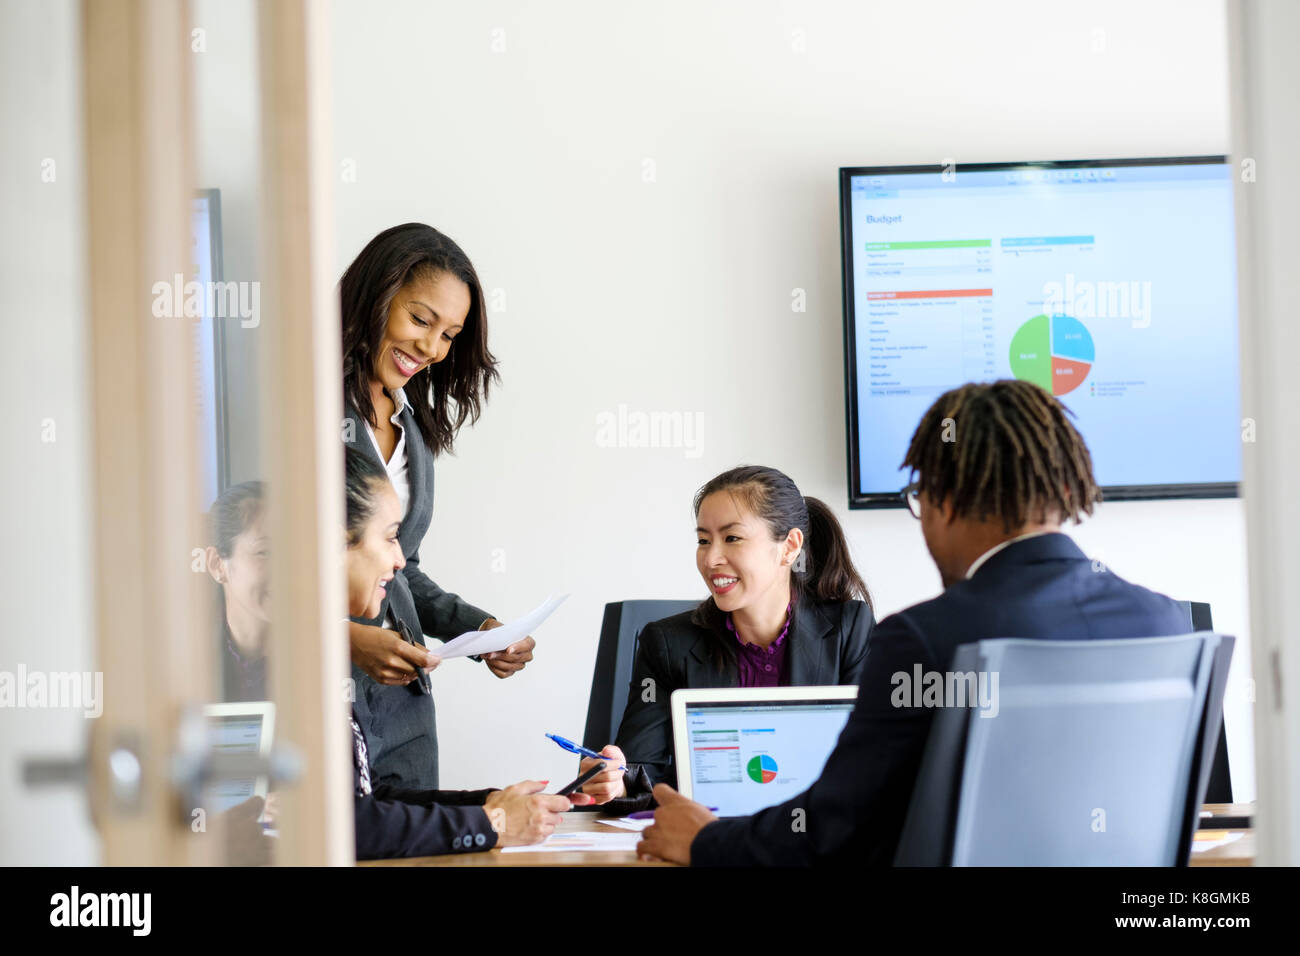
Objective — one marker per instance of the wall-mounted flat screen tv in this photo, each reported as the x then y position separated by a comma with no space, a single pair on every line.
1111,284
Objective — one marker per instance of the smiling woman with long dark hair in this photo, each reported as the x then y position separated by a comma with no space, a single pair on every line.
786,608
392,339
416,368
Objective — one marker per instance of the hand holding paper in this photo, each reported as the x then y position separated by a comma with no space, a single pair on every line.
514,658
499,638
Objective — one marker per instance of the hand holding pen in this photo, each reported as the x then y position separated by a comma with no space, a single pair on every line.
604,786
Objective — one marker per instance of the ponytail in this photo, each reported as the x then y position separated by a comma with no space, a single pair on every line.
829,574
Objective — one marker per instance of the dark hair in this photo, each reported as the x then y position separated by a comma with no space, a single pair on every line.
826,571
446,394
232,513
1004,450
362,479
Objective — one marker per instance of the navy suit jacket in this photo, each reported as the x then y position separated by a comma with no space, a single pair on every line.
399,722
395,822
1042,587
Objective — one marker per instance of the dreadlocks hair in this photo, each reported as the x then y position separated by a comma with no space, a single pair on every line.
1004,451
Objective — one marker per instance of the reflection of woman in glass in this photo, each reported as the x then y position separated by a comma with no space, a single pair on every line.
237,560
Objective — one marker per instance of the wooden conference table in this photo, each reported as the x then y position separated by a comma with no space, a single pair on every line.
1238,853
571,822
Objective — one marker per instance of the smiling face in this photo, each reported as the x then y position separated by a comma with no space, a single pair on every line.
375,556
243,575
424,317
737,557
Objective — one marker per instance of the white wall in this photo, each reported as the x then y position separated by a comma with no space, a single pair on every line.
674,295
44,566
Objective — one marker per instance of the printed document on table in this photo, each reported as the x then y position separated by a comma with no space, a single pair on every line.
1212,839
499,638
586,842
627,823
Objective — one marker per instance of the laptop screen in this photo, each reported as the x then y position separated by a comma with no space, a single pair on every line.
235,734
750,755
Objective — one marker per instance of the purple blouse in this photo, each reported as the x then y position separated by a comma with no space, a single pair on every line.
761,666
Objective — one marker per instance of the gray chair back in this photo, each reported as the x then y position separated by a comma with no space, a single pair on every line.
1093,753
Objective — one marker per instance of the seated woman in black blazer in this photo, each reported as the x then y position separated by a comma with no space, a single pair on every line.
787,608
393,822
237,561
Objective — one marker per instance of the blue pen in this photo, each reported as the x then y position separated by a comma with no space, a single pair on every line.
573,748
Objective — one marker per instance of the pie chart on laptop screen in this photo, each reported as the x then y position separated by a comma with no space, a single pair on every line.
761,769
1052,351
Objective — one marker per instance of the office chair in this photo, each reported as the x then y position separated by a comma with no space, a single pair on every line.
1220,786
1099,755
622,626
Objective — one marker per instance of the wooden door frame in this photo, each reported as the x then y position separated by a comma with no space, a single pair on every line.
302,446
146,510
153,635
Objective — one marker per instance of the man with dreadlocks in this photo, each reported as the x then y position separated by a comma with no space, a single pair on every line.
998,470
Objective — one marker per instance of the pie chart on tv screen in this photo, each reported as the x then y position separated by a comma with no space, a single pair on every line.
1052,351
761,769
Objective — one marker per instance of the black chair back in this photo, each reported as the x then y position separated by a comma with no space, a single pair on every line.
623,623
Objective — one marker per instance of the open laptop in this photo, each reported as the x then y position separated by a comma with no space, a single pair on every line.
743,749
240,728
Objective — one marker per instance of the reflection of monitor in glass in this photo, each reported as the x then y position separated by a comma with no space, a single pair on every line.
1109,283
209,347
238,728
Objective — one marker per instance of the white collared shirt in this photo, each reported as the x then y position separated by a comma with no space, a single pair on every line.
978,562
396,464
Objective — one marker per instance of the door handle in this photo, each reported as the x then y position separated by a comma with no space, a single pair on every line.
195,766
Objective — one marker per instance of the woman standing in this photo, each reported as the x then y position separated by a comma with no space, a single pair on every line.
416,367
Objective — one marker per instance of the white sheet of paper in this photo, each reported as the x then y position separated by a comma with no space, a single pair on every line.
588,842
1200,846
499,638
624,823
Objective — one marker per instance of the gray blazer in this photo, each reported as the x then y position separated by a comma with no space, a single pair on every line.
399,722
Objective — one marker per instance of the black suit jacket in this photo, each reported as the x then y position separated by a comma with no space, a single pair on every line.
399,721
397,822
1042,587
827,644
